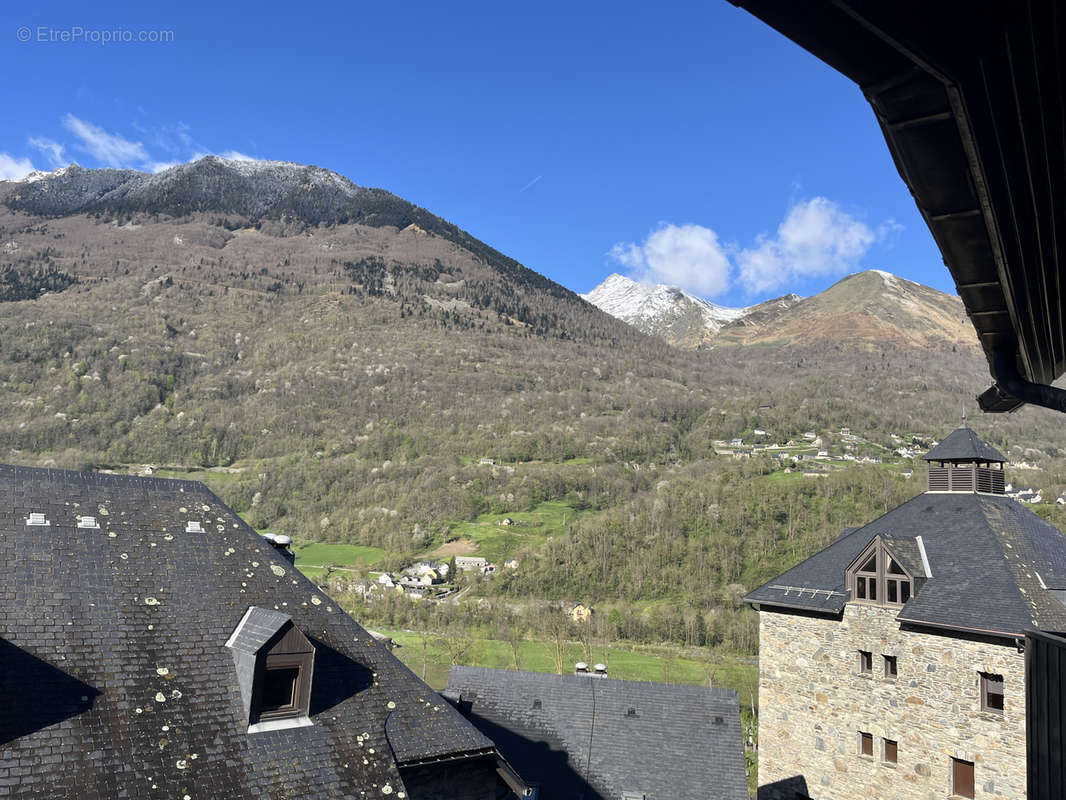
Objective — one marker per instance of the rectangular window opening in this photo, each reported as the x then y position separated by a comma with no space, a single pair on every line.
866,662
991,692
890,666
866,743
891,754
962,778
279,691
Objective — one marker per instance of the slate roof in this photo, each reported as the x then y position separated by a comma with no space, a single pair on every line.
987,554
256,628
116,678
963,444
582,735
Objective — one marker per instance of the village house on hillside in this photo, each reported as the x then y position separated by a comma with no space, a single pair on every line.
891,663
152,645
474,564
586,735
578,612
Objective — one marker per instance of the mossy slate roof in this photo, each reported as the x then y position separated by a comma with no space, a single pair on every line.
115,674
592,737
994,566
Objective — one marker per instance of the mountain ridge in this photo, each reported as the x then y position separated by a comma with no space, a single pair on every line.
660,310
287,200
860,309
868,308
253,191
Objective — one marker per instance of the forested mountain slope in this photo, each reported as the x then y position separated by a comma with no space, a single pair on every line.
343,380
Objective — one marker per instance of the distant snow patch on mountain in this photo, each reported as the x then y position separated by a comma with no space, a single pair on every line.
630,301
661,310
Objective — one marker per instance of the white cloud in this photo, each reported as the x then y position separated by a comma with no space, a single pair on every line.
815,239
232,155
108,148
687,256
159,166
14,169
113,150
52,150
175,139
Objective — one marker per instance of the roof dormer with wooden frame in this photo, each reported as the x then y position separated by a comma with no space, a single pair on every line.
884,576
275,664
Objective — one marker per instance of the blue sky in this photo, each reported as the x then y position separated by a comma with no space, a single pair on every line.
682,142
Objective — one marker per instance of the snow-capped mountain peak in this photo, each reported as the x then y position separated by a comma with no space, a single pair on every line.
41,175
661,310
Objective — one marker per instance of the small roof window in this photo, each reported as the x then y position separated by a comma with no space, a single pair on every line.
88,523
274,663
194,526
37,519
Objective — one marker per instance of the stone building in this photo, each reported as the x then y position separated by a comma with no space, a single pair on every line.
892,662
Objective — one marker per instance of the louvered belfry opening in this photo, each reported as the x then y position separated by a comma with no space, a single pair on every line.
951,477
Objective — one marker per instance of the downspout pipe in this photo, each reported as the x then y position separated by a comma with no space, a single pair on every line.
1010,382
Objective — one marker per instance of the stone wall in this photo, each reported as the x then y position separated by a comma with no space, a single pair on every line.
813,702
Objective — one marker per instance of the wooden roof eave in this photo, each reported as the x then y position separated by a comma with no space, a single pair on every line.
966,101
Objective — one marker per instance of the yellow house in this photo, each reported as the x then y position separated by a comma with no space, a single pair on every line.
579,612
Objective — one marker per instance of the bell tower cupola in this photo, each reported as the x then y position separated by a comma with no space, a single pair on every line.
964,462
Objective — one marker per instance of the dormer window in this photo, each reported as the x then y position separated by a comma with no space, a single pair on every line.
866,577
876,576
897,584
274,663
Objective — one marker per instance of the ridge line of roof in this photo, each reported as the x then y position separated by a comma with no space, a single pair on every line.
100,478
596,678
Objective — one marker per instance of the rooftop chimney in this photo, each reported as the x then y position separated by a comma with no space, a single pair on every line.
581,668
281,542
601,670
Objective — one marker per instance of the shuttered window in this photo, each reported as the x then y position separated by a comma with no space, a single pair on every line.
961,778
891,751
